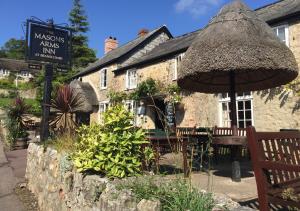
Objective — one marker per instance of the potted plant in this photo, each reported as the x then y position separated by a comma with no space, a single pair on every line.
17,134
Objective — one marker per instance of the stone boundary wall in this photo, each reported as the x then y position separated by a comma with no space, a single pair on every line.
57,186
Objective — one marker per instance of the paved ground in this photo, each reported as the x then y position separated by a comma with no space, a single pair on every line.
220,179
8,180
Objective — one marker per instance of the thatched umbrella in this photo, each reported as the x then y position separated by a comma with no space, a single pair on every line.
236,52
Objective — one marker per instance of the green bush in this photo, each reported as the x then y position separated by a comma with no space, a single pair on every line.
174,195
114,148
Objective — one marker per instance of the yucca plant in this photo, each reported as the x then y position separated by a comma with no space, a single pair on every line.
16,117
64,105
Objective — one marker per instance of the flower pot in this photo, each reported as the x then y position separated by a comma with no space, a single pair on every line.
21,143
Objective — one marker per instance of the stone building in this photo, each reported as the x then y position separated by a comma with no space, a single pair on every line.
157,54
19,69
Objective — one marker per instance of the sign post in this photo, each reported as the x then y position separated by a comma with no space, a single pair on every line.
50,45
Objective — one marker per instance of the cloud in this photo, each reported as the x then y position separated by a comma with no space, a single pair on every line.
196,7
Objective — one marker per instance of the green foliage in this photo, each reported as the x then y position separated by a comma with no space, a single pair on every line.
173,93
13,49
62,143
66,102
34,105
114,148
81,53
15,119
146,88
116,97
175,195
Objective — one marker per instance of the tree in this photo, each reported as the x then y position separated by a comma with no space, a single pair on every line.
82,55
13,49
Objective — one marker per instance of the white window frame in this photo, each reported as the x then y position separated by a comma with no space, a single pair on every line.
103,78
4,72
177,61
105,105
129,82
238,99
286,32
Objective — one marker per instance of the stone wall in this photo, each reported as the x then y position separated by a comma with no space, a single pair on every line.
28,94
57,186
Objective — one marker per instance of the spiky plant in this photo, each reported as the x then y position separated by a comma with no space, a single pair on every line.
65,104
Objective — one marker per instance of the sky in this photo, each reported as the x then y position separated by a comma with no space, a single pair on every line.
117,18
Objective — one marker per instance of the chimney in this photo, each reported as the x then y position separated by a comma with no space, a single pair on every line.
143,32
110,44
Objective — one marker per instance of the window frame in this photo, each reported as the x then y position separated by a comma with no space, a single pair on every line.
286,32
128,84
175,71
103,83
106,105
238,99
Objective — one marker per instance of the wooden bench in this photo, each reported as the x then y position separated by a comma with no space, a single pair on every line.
276,163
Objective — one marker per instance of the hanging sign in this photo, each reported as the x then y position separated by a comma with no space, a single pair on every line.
48,43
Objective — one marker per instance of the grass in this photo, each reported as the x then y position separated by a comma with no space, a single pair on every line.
63,143
35,106
175,195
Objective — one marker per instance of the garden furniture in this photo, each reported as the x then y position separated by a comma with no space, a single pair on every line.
234,138
276,163
169,144
248,57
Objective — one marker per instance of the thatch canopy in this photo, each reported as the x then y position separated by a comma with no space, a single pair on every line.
87,95
236,40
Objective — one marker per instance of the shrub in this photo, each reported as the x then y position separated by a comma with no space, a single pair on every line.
15,119
114,148
173,195
65,104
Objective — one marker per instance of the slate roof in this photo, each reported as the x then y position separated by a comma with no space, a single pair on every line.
121,51
14,65
173,46
278,10
269,13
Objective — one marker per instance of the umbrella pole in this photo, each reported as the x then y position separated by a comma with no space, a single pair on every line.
236,169
232,95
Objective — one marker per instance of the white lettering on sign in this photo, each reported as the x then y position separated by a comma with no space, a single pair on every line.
49,43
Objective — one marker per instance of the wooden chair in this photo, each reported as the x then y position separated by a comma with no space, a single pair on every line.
276,163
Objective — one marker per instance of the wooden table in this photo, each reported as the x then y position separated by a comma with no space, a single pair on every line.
168,144
235,142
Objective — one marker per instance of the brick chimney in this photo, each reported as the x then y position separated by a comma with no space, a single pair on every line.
143,32
110,44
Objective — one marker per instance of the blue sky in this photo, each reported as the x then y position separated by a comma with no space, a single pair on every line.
119,18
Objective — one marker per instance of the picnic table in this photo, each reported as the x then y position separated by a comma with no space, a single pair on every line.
235,138
167,144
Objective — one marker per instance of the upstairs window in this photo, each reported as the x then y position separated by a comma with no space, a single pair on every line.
103,79
244,107
282,33
178,60
131,79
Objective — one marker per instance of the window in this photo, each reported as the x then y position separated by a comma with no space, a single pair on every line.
244,109
25,74
4,72
131,106
102,108
177,64
283,33
131,79
103,78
